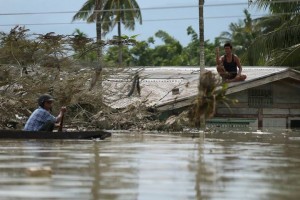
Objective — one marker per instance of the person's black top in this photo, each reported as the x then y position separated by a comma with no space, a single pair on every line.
230,67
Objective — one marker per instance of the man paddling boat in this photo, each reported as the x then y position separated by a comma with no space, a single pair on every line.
41,119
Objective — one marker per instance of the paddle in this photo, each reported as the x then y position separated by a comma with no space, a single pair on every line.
61,123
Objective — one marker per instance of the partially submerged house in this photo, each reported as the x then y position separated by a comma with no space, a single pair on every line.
269,98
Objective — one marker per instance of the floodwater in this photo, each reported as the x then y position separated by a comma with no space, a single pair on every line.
153,166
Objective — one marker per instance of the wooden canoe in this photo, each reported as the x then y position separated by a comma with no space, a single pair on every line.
19,134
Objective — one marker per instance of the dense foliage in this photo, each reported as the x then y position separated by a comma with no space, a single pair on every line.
22,48
169,51
280,42
273,39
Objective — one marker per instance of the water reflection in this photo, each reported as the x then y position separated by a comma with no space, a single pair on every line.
152,166
250,167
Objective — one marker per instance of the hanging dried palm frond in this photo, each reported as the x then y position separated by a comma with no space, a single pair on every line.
211,91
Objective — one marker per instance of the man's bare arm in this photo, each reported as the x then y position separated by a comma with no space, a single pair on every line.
218,56
61,113
237,60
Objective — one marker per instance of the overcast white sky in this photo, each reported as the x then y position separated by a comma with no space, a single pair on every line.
217,18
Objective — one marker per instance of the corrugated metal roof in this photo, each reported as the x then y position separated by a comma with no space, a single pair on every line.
157,84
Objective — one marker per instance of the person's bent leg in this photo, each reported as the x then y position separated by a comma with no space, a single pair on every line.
241,77
237,78
48,126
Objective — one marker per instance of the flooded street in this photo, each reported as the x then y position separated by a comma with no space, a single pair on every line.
151,166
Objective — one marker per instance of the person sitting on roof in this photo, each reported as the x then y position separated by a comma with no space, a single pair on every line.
227,65
41,119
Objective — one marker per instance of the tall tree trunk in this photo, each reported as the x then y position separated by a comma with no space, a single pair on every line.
201,57
201,36
98,68
120,45
99,34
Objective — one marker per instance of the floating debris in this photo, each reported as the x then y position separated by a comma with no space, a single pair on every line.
39,171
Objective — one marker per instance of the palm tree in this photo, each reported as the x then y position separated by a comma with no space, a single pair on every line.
90,12
80,44
241,35
280,45
233,35
79,40
121,12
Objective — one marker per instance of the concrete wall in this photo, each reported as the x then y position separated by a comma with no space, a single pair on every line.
274,123
287,93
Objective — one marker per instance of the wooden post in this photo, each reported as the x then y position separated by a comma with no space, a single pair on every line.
260,118
201,55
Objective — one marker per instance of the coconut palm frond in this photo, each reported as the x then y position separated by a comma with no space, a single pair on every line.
278,43
225,35
283,7
134,15
128,16
107,24
269,23
86,11
241,34
165,37
284,37
286,57
124,12
245,57
129,24
77,32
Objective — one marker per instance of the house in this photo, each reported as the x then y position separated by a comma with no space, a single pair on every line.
269,98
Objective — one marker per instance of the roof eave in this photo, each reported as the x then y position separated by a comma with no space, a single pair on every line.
288,73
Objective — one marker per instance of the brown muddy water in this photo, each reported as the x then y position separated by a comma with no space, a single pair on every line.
154,166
